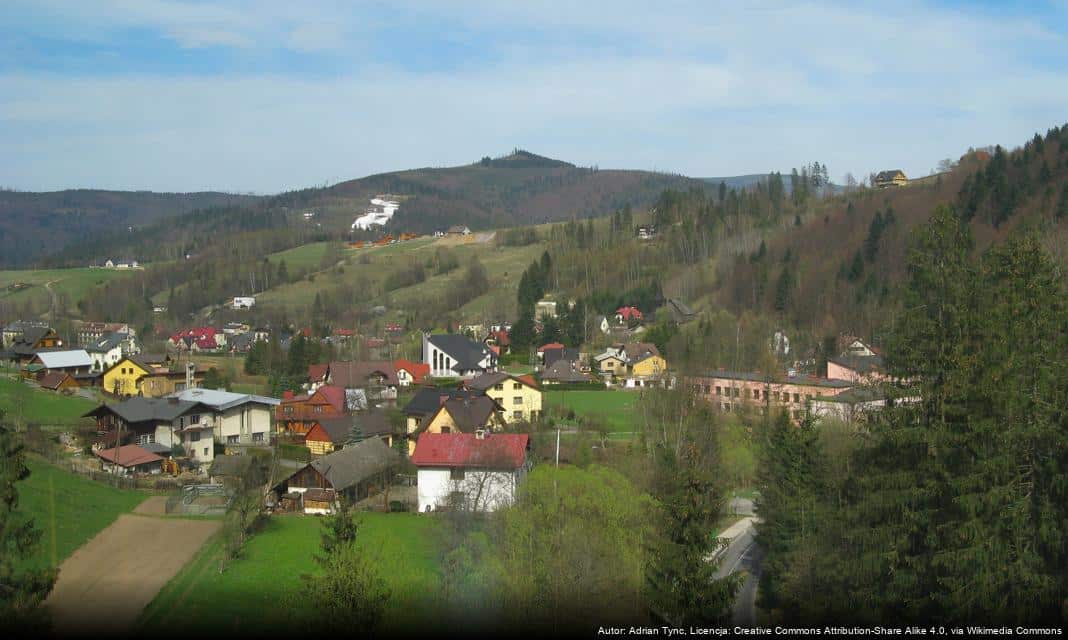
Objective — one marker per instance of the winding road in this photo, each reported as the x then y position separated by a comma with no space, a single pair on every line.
742,554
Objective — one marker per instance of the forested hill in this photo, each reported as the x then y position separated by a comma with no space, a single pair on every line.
36,224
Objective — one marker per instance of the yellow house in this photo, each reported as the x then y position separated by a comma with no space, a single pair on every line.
138,376
611,364
649,366
459,415
519,396
892,178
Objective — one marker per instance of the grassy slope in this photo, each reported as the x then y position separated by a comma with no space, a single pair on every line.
43,406
615,408
75,283
68,509
262,590
303,257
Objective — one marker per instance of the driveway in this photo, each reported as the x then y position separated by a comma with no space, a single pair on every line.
105,584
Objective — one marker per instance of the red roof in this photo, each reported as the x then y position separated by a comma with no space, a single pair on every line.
317,372
495,451
629,312
551,345
331,395
344,332
130,455
529,379
196,333
502,338
418,370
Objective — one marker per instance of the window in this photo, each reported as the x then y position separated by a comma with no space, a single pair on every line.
194,436
257,437
446,430
194,419
797,397
517,400
456,474
205,452
289,410
146,438
517,415
736,392
499,386
719,391
517,385
756,394
231,439
181,423
318,408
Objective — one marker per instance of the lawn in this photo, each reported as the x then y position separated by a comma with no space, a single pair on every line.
68,509
72,283
306,256
261,592
617,409
42,407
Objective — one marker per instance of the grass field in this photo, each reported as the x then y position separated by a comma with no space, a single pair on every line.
262,590
74,284
68,509
306,256
41,407
617,409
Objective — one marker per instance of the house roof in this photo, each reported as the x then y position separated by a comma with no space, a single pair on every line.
860,364
31,335
428,399
753,376
223,400
495,451
418,370
564,371
349,466
355,374
889,175
466,352
148,409
551,345
317,372
65,359
53,379
487,380
128,455
857,395
320,495
107,343
629,312
638,351
469,414
502,337
569,354
371,423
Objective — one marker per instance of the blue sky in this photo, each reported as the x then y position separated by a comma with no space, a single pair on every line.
182,95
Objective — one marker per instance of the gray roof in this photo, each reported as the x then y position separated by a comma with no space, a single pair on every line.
564,371
353,464
469,414
106,343
65,359
753,376
428,399
223,400
860,364
149,409
371,423
567,354
466,352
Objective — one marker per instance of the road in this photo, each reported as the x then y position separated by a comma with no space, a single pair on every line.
742,554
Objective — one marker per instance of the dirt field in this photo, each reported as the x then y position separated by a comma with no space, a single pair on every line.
106,583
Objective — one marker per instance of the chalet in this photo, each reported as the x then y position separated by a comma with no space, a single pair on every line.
129,459
57,381
454,355
427,400
151,376
238,418
297,414
28,340
891,178
459,230
564,372
734,390
470,471
460,415
356,472
680,313
330,434
409,372
518,395
18,329
158,420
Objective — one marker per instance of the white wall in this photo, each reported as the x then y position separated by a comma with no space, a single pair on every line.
243,421
490,490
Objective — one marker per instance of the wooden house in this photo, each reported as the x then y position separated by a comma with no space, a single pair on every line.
356,472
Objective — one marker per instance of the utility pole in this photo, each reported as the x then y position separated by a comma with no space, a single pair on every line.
558,447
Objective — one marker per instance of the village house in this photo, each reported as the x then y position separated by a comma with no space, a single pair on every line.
199,339
106,351
243,302
477,472
564,372
57,381
150,375
858,362
409,372
355,472
18,329
157,421
128,460
519,396
633,365
891,178
455,356
427,400
239,419
27,340
735,390
646,232
460,415
499,341
89,332
330,434
551,354
296,414
75,362
378,380
680,313
544,309
626,315
459,230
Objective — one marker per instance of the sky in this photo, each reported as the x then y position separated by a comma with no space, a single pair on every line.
273,95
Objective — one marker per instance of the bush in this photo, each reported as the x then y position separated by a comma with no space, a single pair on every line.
397,506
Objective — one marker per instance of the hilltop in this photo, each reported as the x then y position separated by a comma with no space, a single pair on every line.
34,225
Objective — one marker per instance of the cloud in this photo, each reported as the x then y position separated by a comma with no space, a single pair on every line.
690,88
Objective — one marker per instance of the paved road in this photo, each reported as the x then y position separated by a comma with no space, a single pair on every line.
742,554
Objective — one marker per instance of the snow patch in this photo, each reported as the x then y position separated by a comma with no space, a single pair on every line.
378,214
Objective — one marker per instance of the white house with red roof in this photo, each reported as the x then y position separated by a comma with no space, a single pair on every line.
478,471
626,314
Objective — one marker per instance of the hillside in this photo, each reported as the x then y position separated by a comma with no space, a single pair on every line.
36,224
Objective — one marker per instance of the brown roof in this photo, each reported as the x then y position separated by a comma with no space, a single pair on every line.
129,455
640,350
53,379
320,495
354,375
469,414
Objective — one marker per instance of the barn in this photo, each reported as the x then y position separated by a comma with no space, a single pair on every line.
355,472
